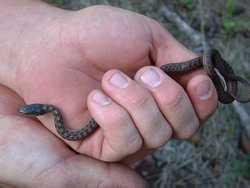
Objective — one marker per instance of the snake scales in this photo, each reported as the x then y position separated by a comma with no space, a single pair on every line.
221,73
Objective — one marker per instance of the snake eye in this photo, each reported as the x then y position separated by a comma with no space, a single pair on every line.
33,109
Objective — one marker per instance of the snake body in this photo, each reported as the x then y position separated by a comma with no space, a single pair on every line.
72,135
210,61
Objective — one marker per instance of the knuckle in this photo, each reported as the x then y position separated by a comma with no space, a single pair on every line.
131,141
134,145
120,116
161,136
188,131
128,148
141,101
150,115
176,99
158,141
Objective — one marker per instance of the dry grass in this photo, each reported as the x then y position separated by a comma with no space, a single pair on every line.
216,161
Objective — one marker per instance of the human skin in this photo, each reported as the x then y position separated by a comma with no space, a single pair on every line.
99,62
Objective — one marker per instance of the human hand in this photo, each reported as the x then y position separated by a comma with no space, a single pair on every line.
31,156
67,56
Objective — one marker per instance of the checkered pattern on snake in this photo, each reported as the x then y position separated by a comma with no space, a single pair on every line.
210,61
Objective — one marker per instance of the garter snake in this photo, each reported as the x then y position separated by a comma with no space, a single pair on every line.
221,73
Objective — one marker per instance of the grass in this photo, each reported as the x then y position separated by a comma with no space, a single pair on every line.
232,25
216,161
187,3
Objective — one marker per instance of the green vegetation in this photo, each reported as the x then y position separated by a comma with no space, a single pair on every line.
230,8
57,2
187,3
230,24
241,168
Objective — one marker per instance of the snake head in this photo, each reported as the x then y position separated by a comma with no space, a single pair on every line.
34,109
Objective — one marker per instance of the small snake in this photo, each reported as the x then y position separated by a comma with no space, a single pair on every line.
221,73
73,135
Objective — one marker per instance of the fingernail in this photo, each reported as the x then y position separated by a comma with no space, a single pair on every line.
151,77
204,90
101,99
119,80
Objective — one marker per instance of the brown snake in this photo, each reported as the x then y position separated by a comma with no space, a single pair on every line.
221,73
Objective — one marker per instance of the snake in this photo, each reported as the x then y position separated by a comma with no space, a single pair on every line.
220,72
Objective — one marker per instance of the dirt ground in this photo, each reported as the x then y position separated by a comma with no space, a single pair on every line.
216,160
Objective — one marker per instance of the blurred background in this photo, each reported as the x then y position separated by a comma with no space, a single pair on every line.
215,156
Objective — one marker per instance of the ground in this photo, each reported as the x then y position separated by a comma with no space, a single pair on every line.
215,159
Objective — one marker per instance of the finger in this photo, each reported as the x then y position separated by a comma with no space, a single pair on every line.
172,100
31,156
203,94
168,50
141,106
121,138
